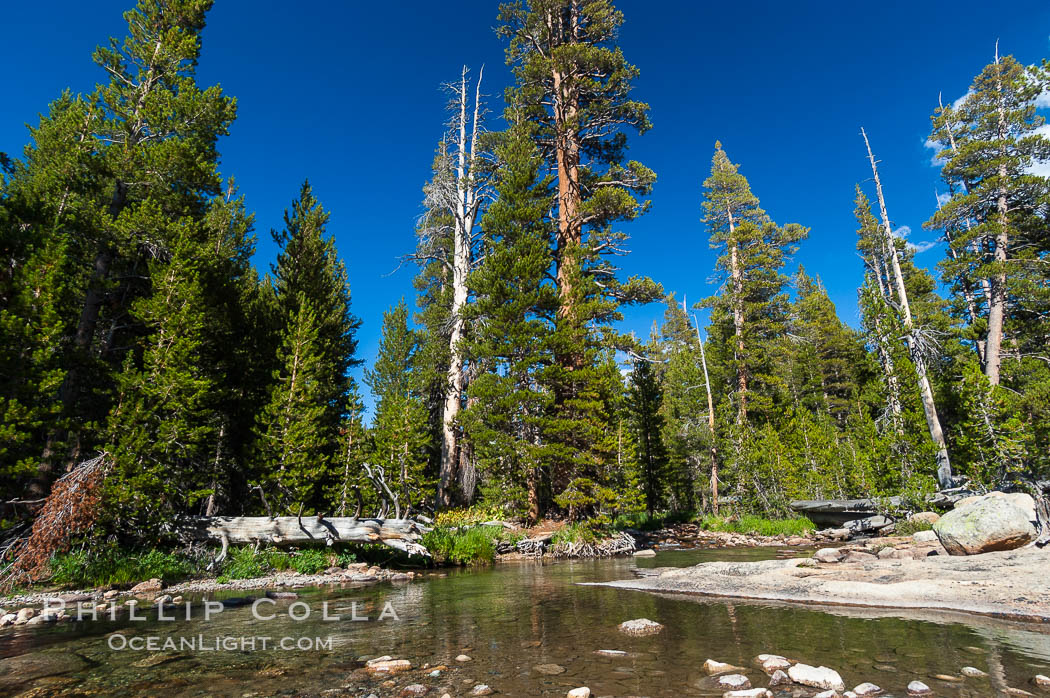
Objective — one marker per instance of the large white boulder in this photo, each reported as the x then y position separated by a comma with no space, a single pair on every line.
995,521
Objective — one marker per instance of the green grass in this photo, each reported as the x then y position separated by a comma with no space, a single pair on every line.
109,566
462,546
756,525
246,563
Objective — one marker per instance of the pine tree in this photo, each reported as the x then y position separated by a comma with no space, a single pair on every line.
827,354
573,84
294,436
991,139
162,427
684,410
644,400
513,313
399,431
300,448
751,310
353,454
101,165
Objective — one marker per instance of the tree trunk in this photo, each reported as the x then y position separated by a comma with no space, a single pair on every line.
567,157
736,276
929,407
462,261
968,294
401,534
997,304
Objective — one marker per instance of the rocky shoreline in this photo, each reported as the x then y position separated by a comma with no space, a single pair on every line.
913,573
32,609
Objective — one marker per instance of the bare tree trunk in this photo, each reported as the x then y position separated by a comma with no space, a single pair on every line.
462,261
929,407
710,421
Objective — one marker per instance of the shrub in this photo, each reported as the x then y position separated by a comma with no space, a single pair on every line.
310,561
243,563
470,516
908,527
642,521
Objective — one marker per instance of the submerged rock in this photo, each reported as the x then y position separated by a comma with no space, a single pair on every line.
772,663
972,672
1041,681
645,553
749,693
387,665
581,692
463,658
415,689
36,665
779,678
712,667
918,688
993,522
549,669
482,690
640,626
867,689
816,677
733,681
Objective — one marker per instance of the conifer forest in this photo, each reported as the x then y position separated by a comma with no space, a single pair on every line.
154,369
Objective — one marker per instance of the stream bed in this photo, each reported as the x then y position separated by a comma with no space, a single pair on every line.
510,619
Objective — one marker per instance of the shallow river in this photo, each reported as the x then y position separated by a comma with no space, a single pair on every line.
510,620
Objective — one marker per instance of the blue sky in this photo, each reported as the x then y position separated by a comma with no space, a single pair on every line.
347,94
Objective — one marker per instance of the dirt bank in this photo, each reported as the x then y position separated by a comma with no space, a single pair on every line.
1012,585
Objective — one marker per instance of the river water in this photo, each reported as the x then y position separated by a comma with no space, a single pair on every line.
509,620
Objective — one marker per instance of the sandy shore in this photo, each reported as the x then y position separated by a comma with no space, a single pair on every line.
1011,585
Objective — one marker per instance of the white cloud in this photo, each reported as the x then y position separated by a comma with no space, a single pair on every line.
1042,168
922,246
936,147
958,102
943,198
903,232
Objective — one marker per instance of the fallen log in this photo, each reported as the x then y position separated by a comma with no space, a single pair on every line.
400,534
